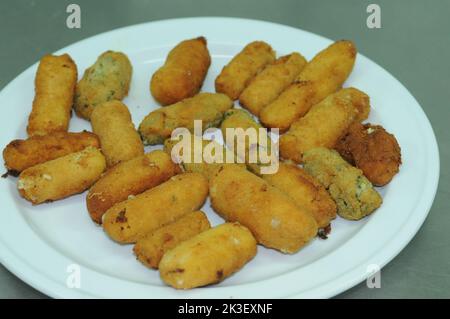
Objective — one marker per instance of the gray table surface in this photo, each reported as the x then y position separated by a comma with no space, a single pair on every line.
413,44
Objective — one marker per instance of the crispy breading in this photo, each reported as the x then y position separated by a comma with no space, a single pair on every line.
305,191
209,257
183,72
351,190
241,119
106,80
270,82
208,107
272,217
205,167
152,247
238,73
323,75
59,178
133,218
325,123
128,179
22,154
120,141
55,83
373,150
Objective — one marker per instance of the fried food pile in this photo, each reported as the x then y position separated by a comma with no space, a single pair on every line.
330,160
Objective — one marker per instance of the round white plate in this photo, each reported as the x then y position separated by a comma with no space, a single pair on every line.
46,245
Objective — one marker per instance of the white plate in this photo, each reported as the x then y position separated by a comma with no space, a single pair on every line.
39,243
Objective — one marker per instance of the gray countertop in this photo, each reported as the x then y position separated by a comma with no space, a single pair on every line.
413,44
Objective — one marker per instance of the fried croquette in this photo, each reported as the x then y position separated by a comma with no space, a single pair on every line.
305,191
249,145
22,154
108,79
274,79
373,150
210,151
128,179
207,107
55,83
59,178
323,75
208,257
120,141
183,72
152,247
238,73
135,217
351,190
325,123
273,218
240,119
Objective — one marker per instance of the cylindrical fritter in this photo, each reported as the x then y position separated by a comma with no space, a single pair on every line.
151,248
351,190
250,145
323,75
240,119
22,154
237,74
325,123
305,191
129,220
108,79
128,179
274,79
120,141
55,83
272,217
206,149
62,177
207,107
183,73
209,257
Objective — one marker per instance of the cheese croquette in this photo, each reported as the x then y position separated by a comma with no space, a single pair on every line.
207,107
351,190
325,123
323,75
206,164
183,72
151,248
209,257
59,178
55,83
305,191
237,74
22,154
373,150
274,79
119,140
129,220
274,219
108,79
128,179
